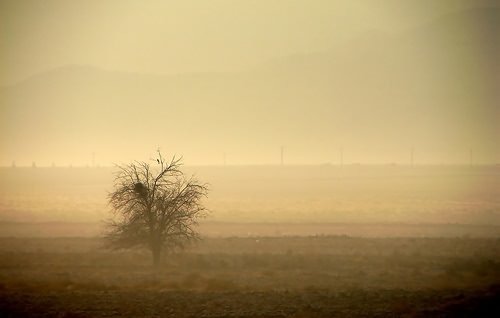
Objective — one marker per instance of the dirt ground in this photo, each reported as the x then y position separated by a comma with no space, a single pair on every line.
308,303
323,276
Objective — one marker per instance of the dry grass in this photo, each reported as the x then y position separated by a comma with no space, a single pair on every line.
240,277
243,264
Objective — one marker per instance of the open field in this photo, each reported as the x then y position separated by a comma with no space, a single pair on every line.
274,194
231,229
284,159
292,241
321,276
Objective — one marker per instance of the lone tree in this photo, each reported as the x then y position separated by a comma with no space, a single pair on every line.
154,206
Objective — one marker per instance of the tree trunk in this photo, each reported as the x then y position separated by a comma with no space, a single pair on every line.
156,250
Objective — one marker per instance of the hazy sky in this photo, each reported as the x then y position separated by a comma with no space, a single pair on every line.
374,77
190,36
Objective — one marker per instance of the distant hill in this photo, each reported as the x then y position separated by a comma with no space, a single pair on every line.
434,87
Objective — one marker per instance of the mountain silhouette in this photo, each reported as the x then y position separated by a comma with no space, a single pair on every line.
435,83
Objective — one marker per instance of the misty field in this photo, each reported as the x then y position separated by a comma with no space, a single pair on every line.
316,276
275,194
290,241
249,158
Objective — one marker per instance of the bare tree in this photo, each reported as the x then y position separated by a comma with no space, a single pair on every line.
155,206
